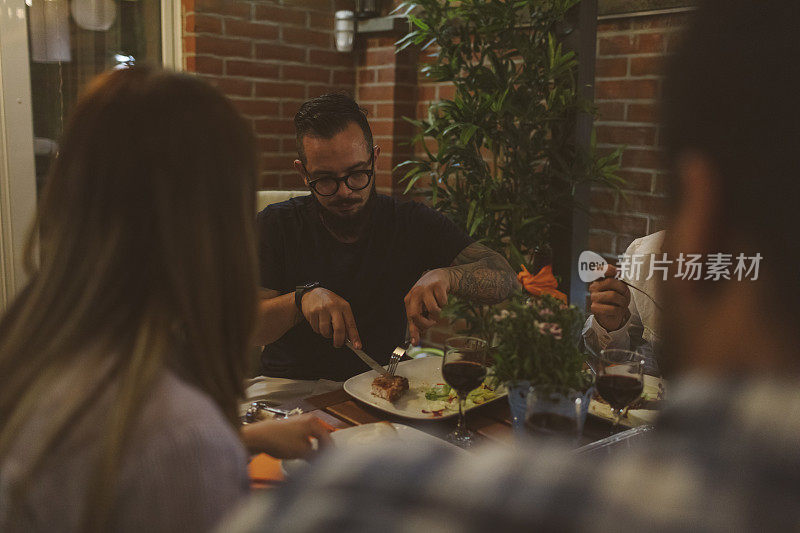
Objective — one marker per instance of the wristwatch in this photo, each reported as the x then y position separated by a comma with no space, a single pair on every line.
300,290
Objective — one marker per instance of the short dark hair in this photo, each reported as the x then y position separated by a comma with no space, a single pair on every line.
730,95
327,115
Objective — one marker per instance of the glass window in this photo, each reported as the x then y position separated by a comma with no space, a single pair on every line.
71,42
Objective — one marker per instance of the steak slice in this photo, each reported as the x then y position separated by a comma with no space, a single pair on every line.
389,387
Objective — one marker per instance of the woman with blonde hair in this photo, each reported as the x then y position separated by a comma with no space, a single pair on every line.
123,359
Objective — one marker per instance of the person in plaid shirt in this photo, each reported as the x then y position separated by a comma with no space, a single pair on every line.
725,455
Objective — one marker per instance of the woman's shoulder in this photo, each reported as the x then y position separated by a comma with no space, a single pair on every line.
176,409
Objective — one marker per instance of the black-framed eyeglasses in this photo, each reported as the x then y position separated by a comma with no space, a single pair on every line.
356,180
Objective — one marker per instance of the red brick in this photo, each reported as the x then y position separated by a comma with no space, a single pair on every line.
642,113
623,241
281,15
288,109
602,199
231,87
279,90
612,67
289,144
189,45
644,203
673,42
322,21
251,30
330,58
626,89
203,24
220,46
610,111
257,108
269,144
602,243
387,75
376,93
277,162
380,57
642,159
426,92
302,72
675,20
319,90
631,225
307,37
272,126
345,78
382,127
280,52
635,135
292,180
647,66
636,181
613,25
446,91
204,64
251,69
232,8
269,181
663,183
385,111
643,43
367,75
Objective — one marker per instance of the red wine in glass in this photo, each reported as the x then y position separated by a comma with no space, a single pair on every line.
620,379
464,369
619,390
464,376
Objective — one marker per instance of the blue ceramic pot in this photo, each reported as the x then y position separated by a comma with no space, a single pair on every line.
559,414
518,402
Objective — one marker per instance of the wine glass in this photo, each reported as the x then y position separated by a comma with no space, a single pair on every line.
620,379
464,369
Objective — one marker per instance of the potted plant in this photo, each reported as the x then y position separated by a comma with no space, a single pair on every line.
501,158
537,355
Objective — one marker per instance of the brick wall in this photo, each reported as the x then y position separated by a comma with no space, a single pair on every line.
629,74
268,56
386,87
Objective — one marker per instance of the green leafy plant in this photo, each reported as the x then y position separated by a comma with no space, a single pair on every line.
506,162
536,340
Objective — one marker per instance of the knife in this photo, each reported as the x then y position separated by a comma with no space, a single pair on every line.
373,364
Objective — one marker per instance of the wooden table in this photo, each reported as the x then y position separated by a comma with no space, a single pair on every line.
491,422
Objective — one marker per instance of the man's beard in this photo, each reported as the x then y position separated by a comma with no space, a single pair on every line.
348,226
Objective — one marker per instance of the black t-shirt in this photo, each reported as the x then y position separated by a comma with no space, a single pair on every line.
403,240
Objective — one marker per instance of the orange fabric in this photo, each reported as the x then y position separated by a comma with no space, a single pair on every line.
544,282
264,467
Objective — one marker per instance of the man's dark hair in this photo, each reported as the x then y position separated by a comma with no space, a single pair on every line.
731,94
327,115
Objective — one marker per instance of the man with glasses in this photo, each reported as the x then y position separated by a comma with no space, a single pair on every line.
347,263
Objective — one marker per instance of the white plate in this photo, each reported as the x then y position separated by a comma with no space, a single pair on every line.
421,373
370,435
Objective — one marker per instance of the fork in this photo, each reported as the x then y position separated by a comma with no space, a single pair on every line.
397,354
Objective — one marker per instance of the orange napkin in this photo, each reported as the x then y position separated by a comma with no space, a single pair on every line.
544,282
265,470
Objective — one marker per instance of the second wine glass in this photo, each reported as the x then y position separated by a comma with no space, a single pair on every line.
620,379
464,369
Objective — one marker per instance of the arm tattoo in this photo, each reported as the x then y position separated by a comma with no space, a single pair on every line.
481,274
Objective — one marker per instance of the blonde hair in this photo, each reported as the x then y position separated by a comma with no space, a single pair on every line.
147,260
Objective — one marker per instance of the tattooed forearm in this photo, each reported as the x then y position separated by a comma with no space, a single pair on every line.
481,274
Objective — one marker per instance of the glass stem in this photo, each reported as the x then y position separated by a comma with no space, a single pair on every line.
462,424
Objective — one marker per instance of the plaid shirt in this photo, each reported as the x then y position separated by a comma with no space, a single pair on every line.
725,457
